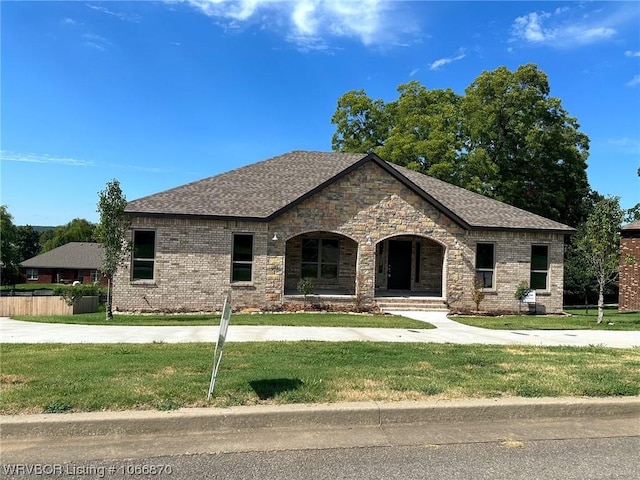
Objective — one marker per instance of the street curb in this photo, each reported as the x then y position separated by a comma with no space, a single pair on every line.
198,420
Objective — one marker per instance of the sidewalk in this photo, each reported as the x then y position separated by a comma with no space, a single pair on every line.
447,331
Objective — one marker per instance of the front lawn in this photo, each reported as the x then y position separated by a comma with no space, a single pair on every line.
56,378
274,319
578,319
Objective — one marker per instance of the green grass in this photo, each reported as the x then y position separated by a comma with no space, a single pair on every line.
577,320
279,319
27,287
60,378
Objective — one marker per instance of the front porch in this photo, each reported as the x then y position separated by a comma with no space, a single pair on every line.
397,272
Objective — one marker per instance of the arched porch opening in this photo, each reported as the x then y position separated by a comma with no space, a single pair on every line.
409,265
326,258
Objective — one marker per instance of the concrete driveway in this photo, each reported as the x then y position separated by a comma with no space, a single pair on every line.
447,331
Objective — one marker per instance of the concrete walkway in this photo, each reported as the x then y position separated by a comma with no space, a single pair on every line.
447,331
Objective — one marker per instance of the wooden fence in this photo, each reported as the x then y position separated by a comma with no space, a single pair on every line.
45,306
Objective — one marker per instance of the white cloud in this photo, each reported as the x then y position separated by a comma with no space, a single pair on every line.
562,28
310,23
127,17
634,81
444,61
629,53
96,41
43,158
625,145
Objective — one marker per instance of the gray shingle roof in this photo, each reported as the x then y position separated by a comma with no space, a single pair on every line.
264,190
632,226
72,255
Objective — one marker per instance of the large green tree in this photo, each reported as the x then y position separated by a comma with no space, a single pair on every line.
9,254
27,242
506,138
77,230
112,233
598,243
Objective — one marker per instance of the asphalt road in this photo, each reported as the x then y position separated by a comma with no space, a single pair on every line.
579,459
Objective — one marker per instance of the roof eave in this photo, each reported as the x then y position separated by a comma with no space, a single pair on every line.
568,231
196,216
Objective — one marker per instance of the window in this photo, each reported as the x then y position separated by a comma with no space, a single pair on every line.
94,276
242,264
485,264
144,253
32,273
320,258
539,267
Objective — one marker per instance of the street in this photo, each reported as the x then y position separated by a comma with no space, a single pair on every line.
578,459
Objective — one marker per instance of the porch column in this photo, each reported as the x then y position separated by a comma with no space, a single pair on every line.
274,287
365,272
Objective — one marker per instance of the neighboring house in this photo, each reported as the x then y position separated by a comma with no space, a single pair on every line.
364,230
73,261
629,281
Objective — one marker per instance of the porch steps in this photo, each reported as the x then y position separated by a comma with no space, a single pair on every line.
419,304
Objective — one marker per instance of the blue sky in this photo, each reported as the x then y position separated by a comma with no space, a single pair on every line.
159,94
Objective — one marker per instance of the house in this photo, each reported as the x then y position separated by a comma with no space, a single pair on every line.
364,230
629,281
73,261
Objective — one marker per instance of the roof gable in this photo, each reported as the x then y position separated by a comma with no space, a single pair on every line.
72,255
264,190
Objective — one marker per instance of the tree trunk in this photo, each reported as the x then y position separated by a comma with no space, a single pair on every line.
109,311
600,303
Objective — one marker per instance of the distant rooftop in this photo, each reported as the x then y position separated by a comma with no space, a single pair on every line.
72,255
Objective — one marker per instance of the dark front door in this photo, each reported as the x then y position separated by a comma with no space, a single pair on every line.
399,270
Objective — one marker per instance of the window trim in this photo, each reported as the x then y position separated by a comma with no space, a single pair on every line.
30,275
242,262
144,259
319,278
545,271
484,269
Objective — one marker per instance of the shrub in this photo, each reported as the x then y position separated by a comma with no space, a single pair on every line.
72,294
522,290
306,286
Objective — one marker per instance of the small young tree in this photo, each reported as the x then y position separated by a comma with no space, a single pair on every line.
477,293
112,233
599,243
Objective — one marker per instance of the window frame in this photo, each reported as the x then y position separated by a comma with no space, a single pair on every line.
30,275
242,262
320,262
480,271
533,270
135,259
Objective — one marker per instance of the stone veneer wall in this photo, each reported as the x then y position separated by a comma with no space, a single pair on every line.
193,257
629,294
368,206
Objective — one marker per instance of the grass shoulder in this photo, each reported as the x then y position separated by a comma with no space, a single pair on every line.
574,319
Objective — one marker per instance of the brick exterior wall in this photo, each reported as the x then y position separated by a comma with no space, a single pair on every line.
362,209
629,293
